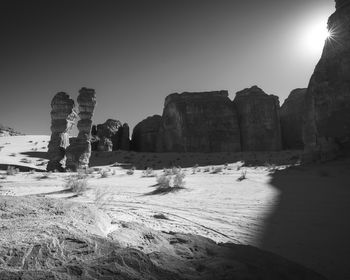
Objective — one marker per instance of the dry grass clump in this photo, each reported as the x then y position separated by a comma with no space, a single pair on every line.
148,172
169,183
11,170
131,171
102,197
243,176
216,170
76,184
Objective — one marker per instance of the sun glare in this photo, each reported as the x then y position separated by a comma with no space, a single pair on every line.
313,39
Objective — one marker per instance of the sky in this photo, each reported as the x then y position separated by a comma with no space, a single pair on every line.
135,53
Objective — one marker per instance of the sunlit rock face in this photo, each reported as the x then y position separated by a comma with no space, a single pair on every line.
327,119
63,118
199,122
259,121
291,115
79,152
145,134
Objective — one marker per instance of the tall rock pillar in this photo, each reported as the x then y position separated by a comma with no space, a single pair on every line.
63,117
79,152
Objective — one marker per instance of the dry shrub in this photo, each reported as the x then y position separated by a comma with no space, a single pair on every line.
11,170
131,171
243,176
76,184
148,172
216,170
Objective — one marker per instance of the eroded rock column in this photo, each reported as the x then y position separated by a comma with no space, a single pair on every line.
79,152
63,118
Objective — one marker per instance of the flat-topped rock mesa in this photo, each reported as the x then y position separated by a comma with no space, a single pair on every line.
259,121
111,136
63,118
291,115
145,134
327,114
199,122
79,151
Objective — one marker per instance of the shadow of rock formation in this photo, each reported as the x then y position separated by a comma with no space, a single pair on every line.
310,223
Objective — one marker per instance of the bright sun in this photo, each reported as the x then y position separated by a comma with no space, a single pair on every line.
314,36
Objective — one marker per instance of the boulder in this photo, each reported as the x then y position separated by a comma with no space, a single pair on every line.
199,122
79,152
259,121
145,134
327,115
291,115
63,117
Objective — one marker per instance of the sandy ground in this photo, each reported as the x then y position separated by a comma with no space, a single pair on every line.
296,212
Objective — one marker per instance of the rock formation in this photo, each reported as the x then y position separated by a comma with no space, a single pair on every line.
199,122
259,122
124,138
8,131
145,134
291,115
63,117
327,119
78,153
108,133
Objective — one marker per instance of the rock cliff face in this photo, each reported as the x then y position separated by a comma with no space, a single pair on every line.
291,115
63,117
258,115
199,122
145,134
8,131
124,138
79,152
327,119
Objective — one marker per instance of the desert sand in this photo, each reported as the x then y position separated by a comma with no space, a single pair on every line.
292,210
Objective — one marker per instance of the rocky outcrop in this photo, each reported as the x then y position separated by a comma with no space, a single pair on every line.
199,122
111,136
8,131
259,122
63,117
78,153
327,118
145,134
291,115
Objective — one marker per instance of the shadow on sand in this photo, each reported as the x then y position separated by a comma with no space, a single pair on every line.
310,224
43,155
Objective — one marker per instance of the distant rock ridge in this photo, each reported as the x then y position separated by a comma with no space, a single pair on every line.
326,126
8,131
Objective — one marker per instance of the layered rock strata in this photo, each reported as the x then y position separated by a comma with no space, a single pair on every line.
291,115
79,152
327,119
259,121
63,118
145,134
199,122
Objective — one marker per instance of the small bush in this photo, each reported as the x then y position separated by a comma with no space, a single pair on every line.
131,171
179,180
11,170
195,169
216,170
243,176
105,173
206,169
148,172
163,181
76,185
